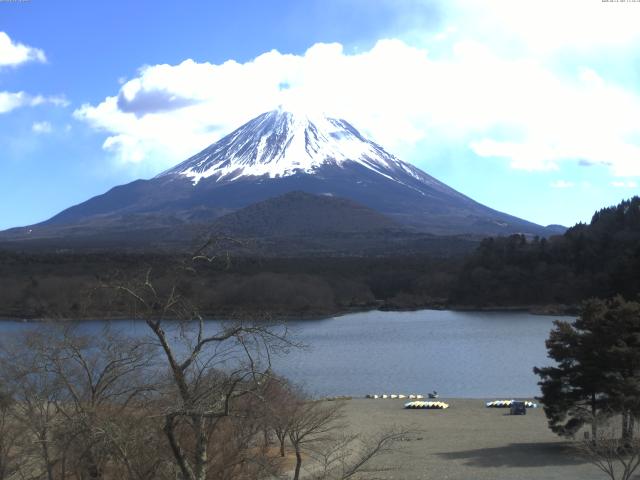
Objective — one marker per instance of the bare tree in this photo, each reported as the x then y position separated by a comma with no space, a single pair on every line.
209,372
613,452
88,405
141,451
99,383
316,432
351,456
37,391
192,400
280,400
311,423
11,434
105,385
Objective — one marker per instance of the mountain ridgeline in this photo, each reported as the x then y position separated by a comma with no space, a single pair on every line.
274,154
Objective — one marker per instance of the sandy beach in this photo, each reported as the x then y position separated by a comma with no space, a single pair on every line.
469,441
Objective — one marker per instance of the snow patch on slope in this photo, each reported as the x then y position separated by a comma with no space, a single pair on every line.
281,143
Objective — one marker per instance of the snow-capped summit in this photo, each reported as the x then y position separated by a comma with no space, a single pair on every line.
276,153
282,143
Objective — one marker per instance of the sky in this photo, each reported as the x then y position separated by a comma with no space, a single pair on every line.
531,107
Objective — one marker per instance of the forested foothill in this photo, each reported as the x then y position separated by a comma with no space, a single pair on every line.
599,259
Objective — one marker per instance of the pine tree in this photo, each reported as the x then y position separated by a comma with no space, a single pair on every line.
598,368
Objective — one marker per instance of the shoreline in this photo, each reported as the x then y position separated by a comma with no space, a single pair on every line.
542,310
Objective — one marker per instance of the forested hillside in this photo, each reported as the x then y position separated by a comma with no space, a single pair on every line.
599,259
65,285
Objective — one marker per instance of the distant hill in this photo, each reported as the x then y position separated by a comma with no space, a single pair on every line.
303,224
299,213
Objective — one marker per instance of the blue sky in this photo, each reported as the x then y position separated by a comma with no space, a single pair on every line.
532,109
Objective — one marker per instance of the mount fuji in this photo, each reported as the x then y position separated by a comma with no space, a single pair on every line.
272,155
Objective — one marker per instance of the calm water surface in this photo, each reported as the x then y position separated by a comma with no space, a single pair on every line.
459,354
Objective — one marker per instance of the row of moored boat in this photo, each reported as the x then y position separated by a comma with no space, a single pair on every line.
508,403
427,405
394,396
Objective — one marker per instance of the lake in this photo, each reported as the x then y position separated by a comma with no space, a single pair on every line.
459,354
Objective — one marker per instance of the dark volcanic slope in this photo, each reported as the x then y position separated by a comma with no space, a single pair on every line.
271,155
300,214
300,224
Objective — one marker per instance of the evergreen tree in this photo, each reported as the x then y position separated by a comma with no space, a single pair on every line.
572,391
598,368
619,327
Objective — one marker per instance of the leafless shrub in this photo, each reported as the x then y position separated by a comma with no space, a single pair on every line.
612,451
11,436
351,456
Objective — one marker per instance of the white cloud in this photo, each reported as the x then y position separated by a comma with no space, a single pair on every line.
55,100
523,156
625,184
41,127
562,184
487,82
544,26
11,100
168,112
13,53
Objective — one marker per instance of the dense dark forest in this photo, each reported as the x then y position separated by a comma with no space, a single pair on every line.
78,285
600,259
